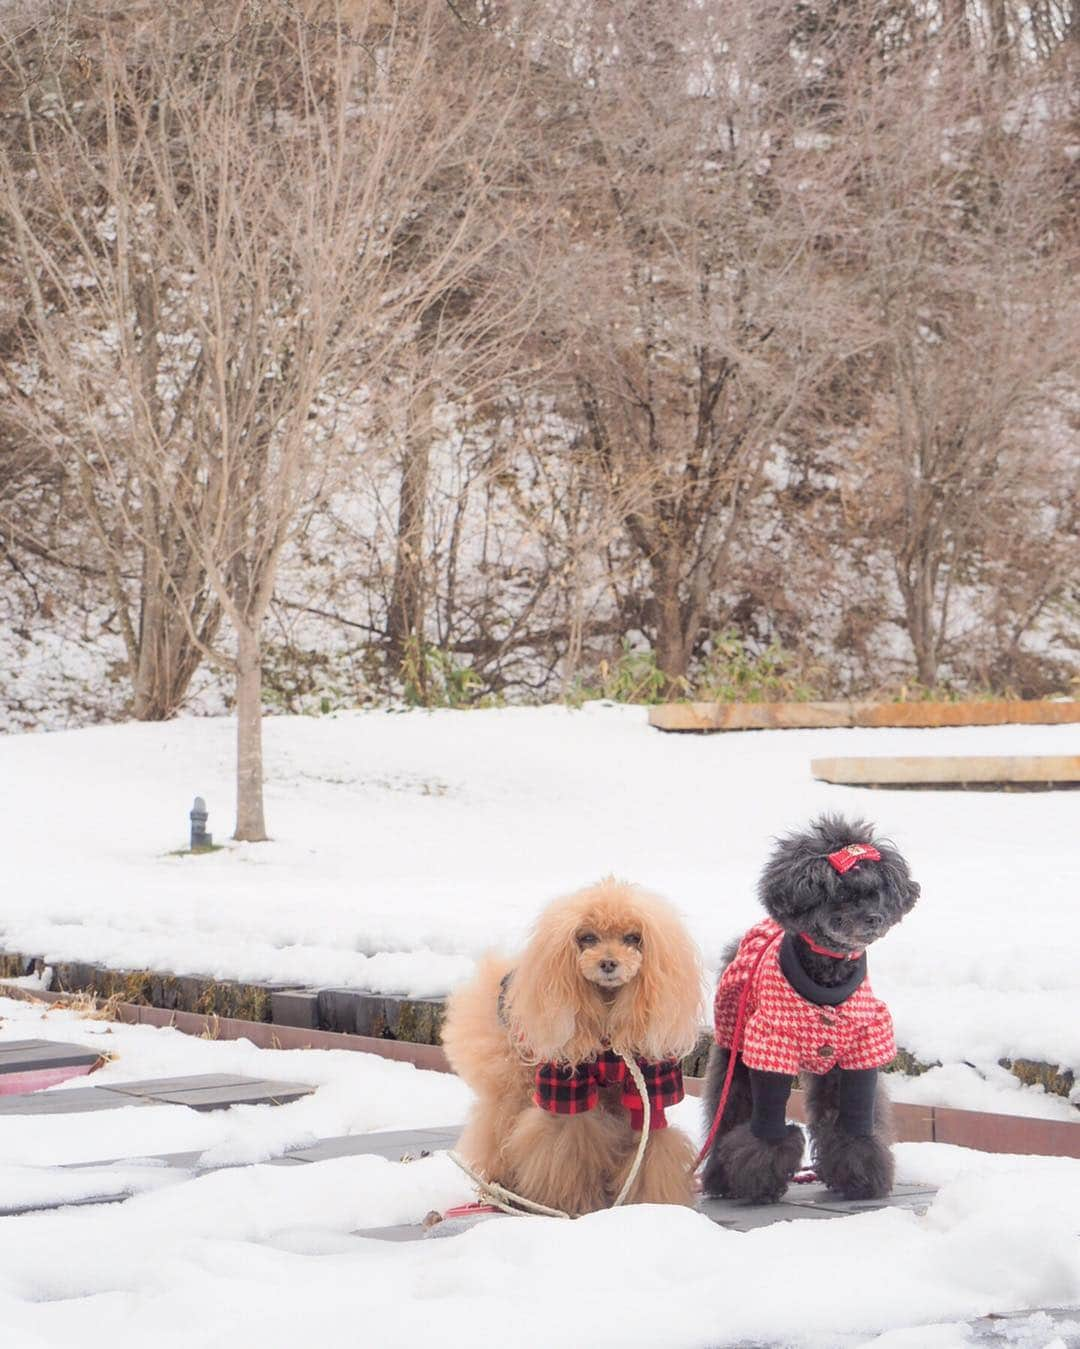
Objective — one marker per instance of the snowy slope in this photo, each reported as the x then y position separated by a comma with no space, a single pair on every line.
406,843
267,1256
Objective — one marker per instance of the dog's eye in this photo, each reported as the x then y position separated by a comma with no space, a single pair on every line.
587,939
632,939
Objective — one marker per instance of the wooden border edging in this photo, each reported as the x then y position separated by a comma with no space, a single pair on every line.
804,716
957,770
981,1130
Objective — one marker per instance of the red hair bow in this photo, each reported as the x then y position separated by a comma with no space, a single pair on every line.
844,859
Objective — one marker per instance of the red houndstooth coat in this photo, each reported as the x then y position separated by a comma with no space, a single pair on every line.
783,1032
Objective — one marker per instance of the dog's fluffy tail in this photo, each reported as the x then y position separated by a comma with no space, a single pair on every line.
474,1037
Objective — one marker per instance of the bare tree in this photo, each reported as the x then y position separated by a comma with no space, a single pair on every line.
238,224
952,226
680,299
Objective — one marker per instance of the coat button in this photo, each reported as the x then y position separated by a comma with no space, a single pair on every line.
827,1020
826,1051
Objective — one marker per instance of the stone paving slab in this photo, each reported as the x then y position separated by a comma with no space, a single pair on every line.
153,1086
221,1094
812,1202
392,1144
71,1102
807,1202
21,1056
206,1091
180,1161
401,1232
85,1202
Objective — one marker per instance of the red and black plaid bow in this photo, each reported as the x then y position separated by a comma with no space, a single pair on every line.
566,1090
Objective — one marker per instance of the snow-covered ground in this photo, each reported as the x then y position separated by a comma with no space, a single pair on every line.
406,843
264,1255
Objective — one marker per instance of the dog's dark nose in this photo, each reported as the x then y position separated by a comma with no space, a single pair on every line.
608,966
874,921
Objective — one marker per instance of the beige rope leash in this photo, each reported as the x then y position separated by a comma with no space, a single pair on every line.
501,1198
643,1092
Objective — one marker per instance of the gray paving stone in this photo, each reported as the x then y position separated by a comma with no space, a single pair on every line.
22,1056
206,1091
68,1102
392,1144
807,1203
17,1211
810,1201
154,1086
403,1232
747,1217
180,1161
241,1093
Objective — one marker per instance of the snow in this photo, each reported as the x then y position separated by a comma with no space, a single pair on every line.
407,843
269,1255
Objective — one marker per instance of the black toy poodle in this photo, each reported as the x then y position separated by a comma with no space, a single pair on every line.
794,999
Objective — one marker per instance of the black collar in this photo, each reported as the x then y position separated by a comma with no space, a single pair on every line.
819,994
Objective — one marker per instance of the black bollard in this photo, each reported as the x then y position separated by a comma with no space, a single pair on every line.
199,815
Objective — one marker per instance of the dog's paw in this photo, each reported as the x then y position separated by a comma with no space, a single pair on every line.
752,1169
856,1166
714,1180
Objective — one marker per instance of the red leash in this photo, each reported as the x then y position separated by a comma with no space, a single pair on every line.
736,1040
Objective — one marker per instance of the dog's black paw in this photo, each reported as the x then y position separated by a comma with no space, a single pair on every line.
856,1166
714,1181
755,1170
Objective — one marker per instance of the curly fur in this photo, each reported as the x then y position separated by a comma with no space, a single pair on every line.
556,1012
803,892
856,1167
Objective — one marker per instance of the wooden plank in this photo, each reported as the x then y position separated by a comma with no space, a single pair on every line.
1038,712
749,716
794,716
934,769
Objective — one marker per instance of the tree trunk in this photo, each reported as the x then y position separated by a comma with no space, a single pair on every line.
147,675
918,592
406,619
167,657
250,822
672,642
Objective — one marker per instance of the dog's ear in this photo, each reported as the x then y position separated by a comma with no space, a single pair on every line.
663,1014
797,878
544,1000
896,881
